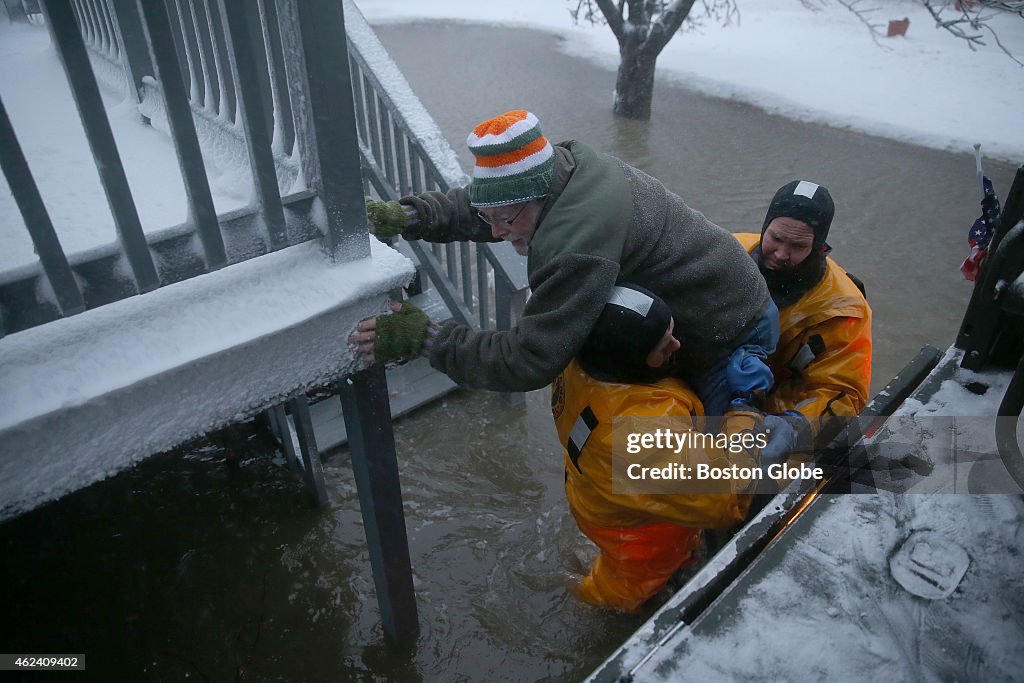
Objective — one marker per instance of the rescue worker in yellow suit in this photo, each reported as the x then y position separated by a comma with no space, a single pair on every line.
822,364
620,377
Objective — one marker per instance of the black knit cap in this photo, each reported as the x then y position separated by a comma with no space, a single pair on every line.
632,323
805,201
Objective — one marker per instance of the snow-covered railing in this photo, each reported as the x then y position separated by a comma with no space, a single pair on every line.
112,30
247,105
149,41
403,151
98,391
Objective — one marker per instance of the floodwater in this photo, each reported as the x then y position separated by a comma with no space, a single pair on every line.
190,567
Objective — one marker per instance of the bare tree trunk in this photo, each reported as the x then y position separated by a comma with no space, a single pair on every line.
650,26
634,85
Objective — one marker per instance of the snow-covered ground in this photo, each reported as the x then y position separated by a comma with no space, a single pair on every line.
927,88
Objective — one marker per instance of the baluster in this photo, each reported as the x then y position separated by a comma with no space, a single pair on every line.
325,48
44,238
226,91
71,47
206,67
483,296
387,152
159,34
243,45
359,97
132,40
467,275
108,30
402,161
85,21
284,127
181,30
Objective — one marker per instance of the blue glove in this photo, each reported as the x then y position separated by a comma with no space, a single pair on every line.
782,439
747,375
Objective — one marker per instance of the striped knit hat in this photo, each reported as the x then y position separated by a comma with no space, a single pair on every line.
514,161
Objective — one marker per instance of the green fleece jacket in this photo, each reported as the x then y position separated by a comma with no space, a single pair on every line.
603,222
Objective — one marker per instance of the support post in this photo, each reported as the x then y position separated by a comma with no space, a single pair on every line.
280,428
364,401
508,308
312,468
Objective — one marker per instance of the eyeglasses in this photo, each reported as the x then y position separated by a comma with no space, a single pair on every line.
506,221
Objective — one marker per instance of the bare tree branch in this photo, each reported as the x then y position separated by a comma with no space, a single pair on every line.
724,12
1006,51
589,13
719,12
575,13
864,15
856,8
975,22
671,19
955,26
613,16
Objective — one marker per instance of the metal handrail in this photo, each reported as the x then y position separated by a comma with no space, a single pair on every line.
404,152
483,284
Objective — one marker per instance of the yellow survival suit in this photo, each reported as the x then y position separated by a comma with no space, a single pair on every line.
643,537
822,365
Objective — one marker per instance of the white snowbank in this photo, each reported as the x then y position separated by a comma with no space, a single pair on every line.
927,88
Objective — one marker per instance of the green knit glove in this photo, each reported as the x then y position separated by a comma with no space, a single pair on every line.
388,218
401,334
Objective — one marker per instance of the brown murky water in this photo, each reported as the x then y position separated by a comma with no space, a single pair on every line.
188,568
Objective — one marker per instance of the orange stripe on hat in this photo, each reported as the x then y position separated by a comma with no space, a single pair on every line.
499,124
512,157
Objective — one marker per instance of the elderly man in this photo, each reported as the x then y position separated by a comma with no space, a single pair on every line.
620,379
822,366
586,221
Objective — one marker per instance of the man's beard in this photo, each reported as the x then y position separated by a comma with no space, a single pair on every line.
790,283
